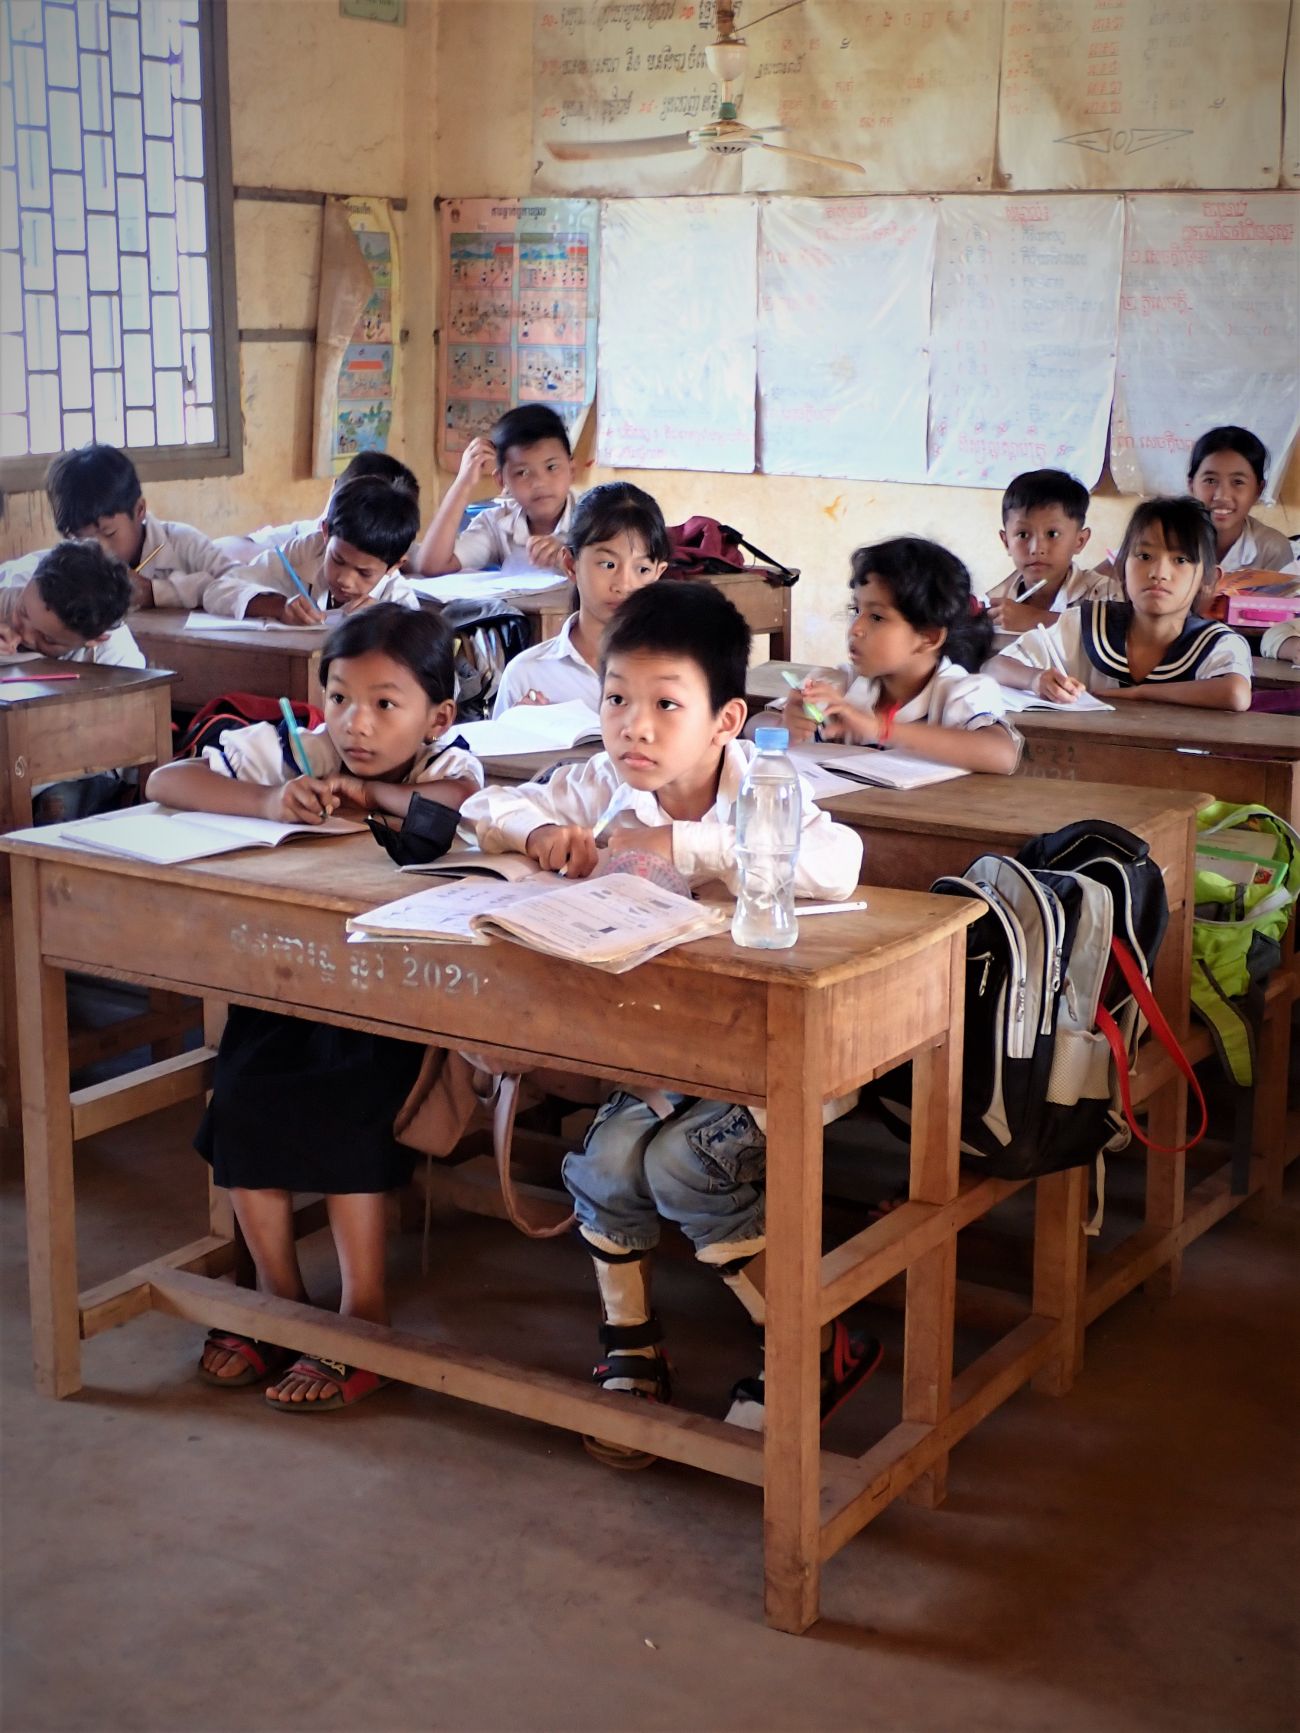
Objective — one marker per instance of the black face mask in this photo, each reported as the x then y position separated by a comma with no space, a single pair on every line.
426,833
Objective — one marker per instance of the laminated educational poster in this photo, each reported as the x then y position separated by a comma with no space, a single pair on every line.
843,336
678,333
1022,351
358,318
518,313
1209,331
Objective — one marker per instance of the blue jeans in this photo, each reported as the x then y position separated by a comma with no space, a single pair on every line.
702,1168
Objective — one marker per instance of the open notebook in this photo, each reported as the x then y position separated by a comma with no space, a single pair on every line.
531,728
198,622
833,769
166,838
611,923
473,863
1016,701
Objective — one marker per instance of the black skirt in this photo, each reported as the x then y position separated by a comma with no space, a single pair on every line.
301,1106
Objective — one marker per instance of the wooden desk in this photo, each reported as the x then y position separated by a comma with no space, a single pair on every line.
1250,756
105,719
1273,675
279,664
789,1029
757,591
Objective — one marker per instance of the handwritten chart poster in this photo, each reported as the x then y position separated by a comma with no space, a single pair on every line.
1209,331
908,91
1125,93
519,313
358,318
678,332
843,330
1022,353
614,73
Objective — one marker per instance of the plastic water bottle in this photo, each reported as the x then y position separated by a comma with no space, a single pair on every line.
768,821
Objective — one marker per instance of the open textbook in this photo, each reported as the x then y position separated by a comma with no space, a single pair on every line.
486,586
166,838
531,728
834,769
473,863
611,923
1016,700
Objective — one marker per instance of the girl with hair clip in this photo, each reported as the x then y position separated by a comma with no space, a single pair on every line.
617,543
1152,647
917,637
301,1106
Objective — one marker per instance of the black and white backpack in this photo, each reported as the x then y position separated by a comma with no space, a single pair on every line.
1058,969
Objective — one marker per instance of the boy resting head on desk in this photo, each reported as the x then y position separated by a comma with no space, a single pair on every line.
350,560
95,493
1152,647
617,543
244,549
528,452
674,661
71,607
299,1106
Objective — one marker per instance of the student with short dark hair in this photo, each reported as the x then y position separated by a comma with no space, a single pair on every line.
1226,472
71,607
95,493
246,548
528,452
1045,530
674,663
351,559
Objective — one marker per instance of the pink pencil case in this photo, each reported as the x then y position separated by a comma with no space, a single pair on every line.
1245,609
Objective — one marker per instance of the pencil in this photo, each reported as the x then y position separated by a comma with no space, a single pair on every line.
297,583
31,679
296,744
1031,591
811,710
144,562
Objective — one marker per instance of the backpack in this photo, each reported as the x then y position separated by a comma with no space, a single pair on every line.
1058,992
488,635
702,547
240,710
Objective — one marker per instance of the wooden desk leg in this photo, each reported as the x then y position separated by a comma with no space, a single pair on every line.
931,1297
13,1095
780,643
1061,1271
792,1442
47,1127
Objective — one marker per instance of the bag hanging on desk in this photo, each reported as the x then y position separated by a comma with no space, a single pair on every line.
488,635
240,710
702,547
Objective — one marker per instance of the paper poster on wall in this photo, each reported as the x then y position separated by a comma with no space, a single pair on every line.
843,336
1209,331
518,313
358,317
909,92
1148,93
611,75
1022,351
678,331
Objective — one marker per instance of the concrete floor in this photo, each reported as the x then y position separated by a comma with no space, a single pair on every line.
179,1558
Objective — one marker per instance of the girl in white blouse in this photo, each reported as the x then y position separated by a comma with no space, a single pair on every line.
1227,472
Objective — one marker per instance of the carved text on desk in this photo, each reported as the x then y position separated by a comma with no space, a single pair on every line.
285,948
365,963
1055,761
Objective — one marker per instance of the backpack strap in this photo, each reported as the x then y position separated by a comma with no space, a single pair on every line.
1168,1040
785,575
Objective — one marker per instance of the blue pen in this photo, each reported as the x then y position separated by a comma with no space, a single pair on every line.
297,745
298,585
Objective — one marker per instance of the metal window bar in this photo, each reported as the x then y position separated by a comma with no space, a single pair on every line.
117,309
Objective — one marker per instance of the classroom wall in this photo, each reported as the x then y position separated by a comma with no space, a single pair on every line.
813,524
319,103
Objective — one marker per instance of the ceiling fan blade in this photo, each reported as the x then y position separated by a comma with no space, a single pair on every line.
811,156
598,149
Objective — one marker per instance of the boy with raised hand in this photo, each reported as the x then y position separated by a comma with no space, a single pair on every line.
95,493
352,558
1045,530
673,665
528,452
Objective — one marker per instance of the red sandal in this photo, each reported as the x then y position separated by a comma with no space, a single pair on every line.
352,1383
262,1360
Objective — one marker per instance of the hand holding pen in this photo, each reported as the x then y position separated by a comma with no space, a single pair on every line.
308,790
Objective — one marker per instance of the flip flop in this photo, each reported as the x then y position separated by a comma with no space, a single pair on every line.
353,1383
262,1360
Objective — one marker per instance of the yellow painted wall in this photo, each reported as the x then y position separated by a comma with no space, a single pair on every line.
808,523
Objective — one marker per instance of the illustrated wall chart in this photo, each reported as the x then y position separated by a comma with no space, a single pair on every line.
358,319
518,312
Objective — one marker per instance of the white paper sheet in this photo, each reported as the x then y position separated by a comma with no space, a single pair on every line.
1148,93
1209,331
843,336
1022,352
678,331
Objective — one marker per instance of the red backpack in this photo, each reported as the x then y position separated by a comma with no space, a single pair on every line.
237,710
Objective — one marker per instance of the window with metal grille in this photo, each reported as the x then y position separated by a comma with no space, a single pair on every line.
116,255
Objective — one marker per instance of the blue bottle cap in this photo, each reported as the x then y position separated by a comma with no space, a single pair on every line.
771,739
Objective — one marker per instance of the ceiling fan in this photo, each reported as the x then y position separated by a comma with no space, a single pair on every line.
728,135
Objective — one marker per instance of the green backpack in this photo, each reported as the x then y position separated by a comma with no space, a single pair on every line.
1238,928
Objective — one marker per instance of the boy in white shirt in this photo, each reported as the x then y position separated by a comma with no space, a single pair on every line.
617,543
674,660
247,547
1045,530
528,452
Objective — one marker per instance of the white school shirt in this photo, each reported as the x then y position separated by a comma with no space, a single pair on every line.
185,568
119,649
306,554
1272,641
554,668
257,754
497,539
704,849
1080,585
1259,547
1229,653
953,697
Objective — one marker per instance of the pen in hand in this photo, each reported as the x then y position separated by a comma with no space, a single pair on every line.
814,711
297,746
